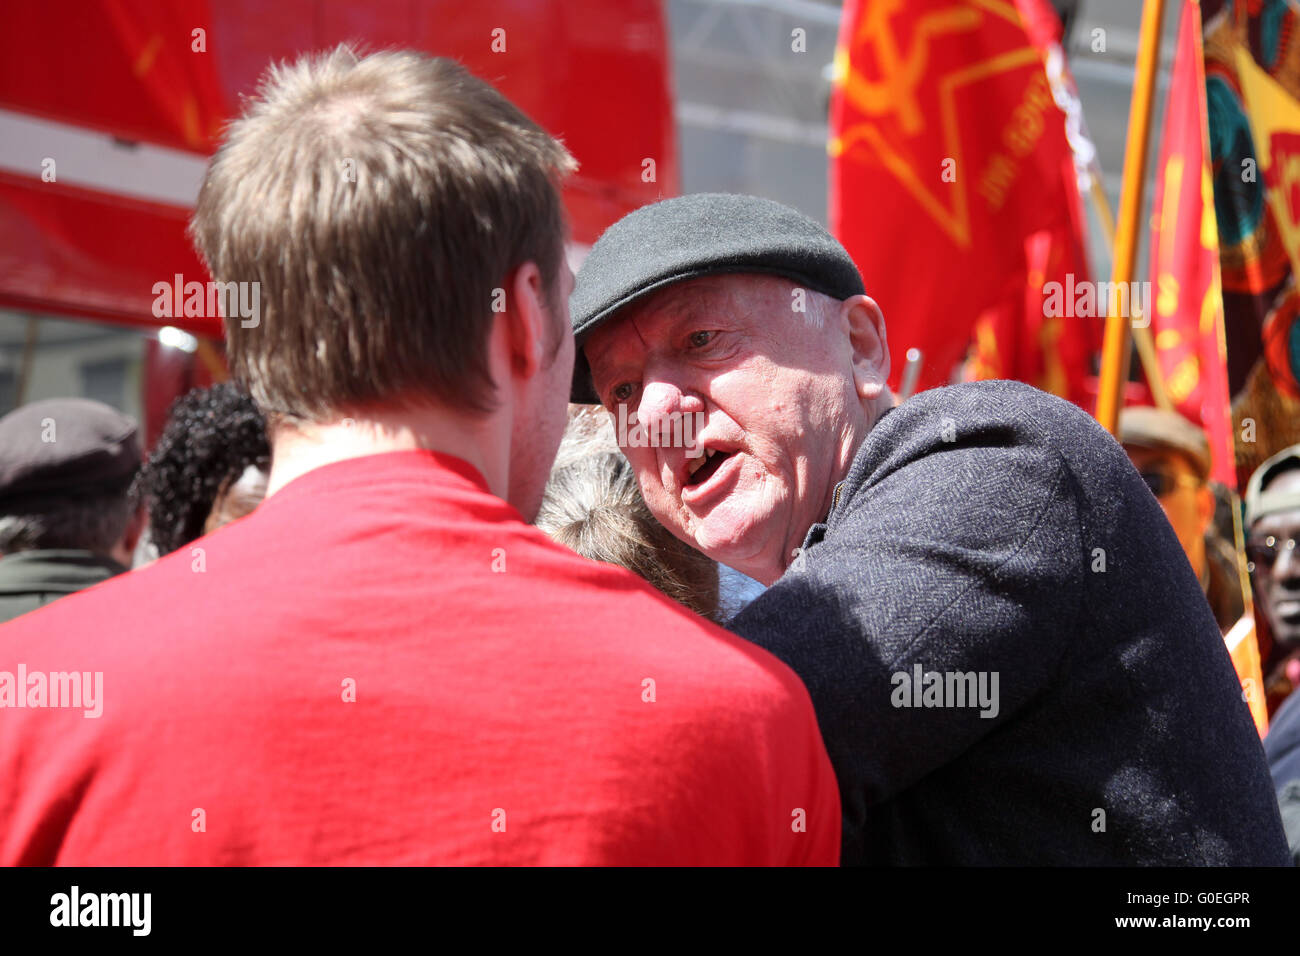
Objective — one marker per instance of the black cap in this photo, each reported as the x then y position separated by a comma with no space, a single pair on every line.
61,448
698,235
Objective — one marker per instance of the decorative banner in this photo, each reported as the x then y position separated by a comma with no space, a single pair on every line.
1274,116
1187,321
1252,67
948,156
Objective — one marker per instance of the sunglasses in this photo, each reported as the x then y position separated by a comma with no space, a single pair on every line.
1262,552
1161,483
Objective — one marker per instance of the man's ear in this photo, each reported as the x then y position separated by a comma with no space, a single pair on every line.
527,320
125,548
866,328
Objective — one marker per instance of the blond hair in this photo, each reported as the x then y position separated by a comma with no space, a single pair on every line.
379,202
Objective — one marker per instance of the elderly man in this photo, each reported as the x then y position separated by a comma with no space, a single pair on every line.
1010,657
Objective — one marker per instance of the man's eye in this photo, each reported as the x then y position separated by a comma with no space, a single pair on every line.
700,339
621,393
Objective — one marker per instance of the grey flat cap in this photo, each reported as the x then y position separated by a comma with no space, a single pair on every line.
61,448
698,235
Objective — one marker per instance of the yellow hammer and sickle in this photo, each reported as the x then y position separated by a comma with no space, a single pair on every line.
895,92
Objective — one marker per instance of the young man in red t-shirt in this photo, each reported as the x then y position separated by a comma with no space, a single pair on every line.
385,663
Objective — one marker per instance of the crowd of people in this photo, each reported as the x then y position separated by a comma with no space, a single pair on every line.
405,592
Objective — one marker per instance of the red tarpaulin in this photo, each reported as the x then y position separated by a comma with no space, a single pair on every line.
170,72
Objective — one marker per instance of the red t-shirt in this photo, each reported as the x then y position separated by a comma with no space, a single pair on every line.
385,664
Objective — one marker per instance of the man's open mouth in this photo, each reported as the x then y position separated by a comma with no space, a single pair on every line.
701,469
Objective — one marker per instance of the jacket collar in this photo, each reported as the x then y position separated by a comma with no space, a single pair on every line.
845,489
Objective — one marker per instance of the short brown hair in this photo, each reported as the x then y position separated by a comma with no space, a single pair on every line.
378,201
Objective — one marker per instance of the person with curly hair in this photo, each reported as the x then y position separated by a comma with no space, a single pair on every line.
208,467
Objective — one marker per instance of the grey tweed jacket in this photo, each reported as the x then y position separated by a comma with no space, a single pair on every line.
1011,659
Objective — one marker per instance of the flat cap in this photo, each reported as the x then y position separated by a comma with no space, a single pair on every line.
698,235
1148,427
64,447
1260,502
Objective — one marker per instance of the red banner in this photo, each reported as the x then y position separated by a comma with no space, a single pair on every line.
953,185
1187,320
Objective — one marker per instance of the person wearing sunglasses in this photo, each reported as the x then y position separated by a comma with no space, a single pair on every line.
1273,527
1173,457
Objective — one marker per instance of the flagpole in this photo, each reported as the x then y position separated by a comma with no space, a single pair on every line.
1115,349
1142,337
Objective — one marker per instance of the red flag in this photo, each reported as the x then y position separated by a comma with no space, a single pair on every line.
952,182
1187,320
1023,338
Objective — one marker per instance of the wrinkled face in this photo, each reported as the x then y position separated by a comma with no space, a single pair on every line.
1276,561
738,412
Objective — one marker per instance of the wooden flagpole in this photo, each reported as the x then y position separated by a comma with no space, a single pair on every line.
1115,349
1142,336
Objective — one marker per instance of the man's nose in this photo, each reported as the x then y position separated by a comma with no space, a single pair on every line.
659,400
